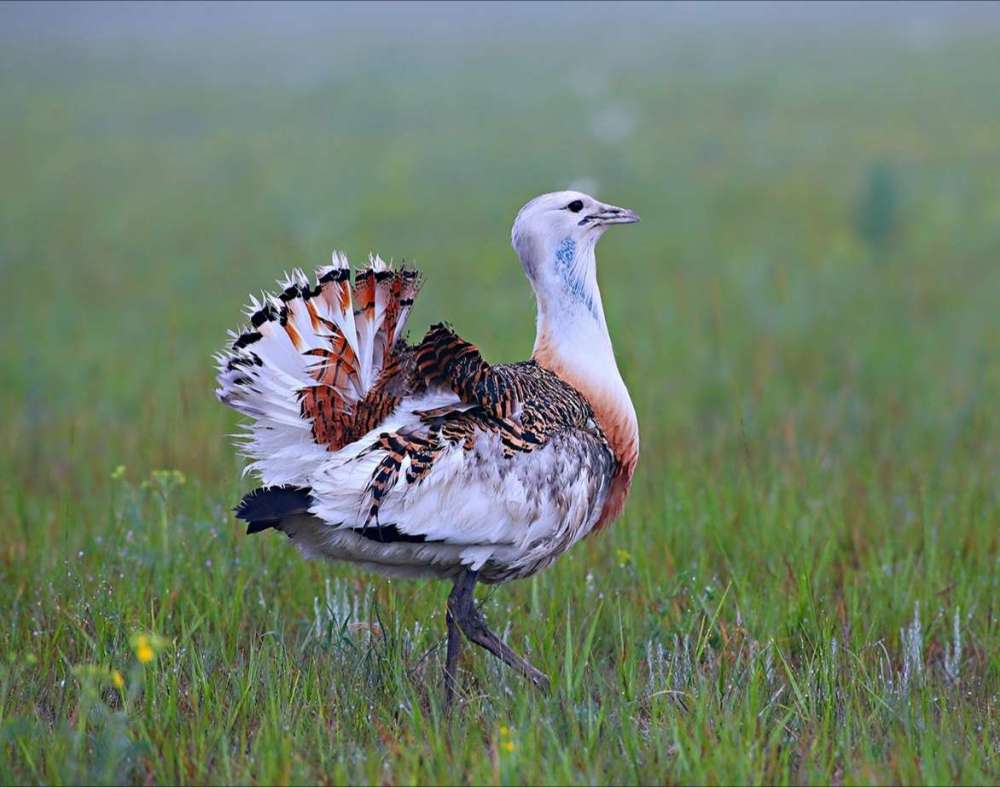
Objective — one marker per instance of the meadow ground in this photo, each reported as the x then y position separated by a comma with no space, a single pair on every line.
804,586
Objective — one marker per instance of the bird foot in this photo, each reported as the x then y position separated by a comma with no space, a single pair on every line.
463,615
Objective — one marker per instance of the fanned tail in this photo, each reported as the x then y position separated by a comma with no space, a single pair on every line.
310,366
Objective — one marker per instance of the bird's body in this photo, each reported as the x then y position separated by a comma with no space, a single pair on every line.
425,460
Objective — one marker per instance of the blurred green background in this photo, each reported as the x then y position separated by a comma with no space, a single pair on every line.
807,318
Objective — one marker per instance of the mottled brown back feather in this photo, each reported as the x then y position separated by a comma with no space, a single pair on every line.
523,404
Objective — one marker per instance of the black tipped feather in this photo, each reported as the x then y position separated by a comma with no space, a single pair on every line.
389,534
267,506
247,338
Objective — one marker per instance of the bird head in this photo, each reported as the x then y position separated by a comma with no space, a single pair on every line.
558,227
555,235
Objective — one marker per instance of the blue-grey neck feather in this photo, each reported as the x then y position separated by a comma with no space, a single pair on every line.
565,262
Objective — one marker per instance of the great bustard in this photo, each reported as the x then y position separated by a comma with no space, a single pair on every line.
426,460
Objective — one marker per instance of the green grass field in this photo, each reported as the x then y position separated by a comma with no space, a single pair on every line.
804,585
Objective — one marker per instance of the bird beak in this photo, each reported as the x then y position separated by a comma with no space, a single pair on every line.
610,214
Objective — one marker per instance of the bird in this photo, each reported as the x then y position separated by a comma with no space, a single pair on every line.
424,460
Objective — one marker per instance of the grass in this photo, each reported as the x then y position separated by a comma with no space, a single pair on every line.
803,587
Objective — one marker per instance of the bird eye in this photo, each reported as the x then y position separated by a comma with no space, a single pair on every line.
576,205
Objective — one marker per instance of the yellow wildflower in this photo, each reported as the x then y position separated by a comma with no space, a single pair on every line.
624,557
143,648
506,742
117,679
144,654
166,478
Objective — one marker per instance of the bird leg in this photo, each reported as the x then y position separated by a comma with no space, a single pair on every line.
462,609
451,659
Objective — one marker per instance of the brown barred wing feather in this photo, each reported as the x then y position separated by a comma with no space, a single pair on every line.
521,404
444,358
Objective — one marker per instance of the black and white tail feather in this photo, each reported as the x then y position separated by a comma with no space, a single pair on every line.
308,358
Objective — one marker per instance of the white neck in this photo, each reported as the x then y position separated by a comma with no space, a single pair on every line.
571,325
572,337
